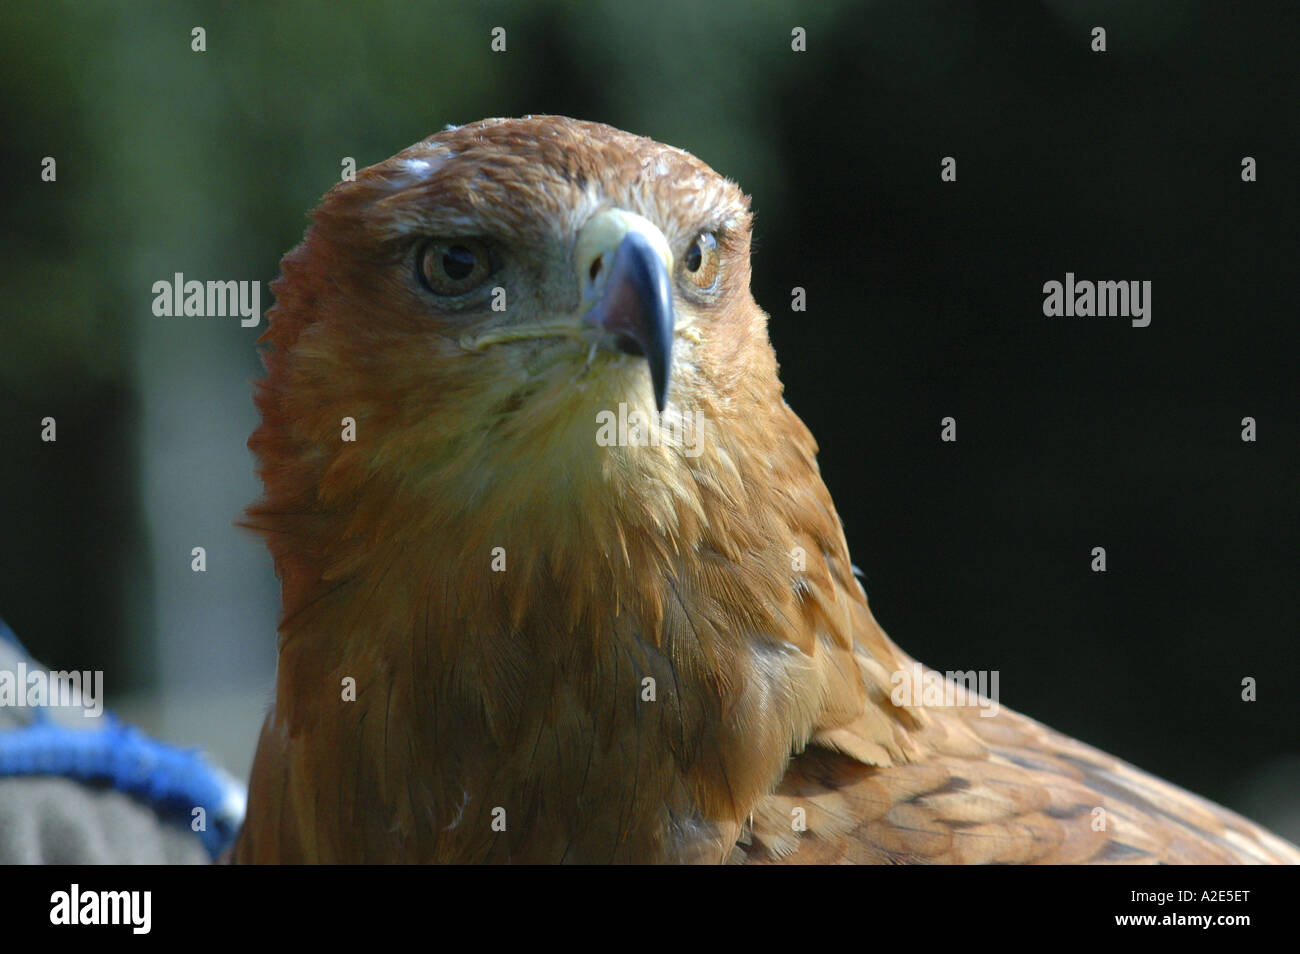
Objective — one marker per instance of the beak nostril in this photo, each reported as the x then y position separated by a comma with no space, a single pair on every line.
595,267
629,345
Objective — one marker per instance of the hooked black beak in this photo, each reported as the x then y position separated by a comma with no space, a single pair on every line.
636,308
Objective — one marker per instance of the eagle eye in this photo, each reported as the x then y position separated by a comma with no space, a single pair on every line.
450,267
702,261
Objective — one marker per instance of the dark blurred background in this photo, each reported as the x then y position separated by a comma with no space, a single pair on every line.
924,301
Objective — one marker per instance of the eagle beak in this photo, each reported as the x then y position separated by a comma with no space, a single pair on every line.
624,265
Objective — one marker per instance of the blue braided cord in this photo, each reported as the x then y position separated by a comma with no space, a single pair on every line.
174,780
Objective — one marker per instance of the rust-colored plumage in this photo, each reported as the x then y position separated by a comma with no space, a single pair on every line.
564,650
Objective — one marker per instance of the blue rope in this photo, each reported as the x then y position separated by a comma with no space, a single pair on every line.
174,781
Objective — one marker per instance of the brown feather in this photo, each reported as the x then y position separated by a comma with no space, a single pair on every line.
724,577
